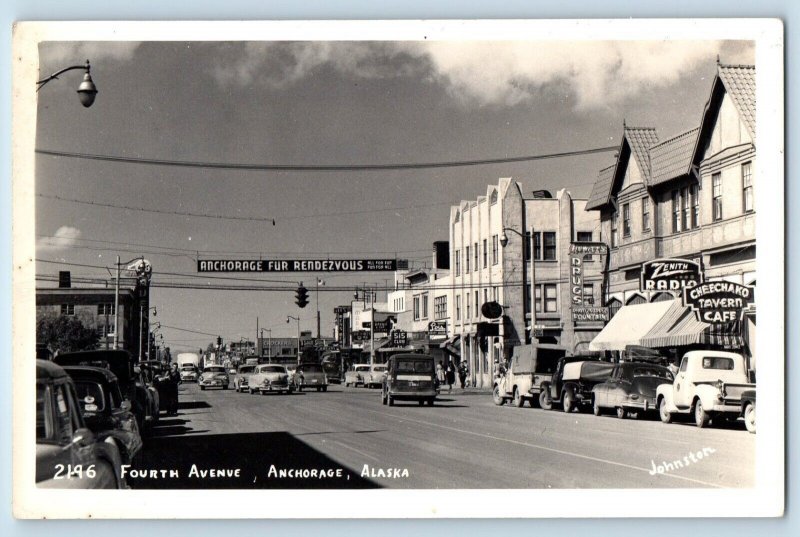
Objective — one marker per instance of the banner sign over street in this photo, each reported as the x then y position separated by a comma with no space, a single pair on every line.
297,265
719,302
669,275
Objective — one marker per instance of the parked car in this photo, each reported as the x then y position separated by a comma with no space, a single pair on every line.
241,381
709,385
310,375
120,362
214,376
104,409
188,373
631,388
356,375
409,377
68,454
531,365
572,382
749,410
269,378
375,376
151,372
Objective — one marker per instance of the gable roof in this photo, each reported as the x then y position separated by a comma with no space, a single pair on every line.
601,189
673,157
640,140
740,83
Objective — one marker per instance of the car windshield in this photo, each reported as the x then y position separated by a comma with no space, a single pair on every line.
247,369
187,368
312,369
273,369
415,366
379,368
362,368
718,362
214,370
90,396
652,372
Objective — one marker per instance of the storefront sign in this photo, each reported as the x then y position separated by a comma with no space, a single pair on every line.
577,251
492,310
360,335
669,275
437,328
341,310
719,302
399,338
589,314
297,265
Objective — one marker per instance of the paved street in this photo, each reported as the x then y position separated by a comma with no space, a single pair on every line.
464,441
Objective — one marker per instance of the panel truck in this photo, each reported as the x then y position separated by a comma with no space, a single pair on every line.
530,366
708,386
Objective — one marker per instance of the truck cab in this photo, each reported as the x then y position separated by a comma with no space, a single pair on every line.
529,368
708,385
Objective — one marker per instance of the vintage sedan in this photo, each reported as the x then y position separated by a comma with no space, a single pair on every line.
310,375
68,454
104,409
188,373
375,377
241,381
356,375
630,389
269,378
214,376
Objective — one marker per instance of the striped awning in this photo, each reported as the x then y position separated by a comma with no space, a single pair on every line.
628,326
679,326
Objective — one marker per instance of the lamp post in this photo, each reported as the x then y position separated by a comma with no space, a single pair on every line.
319,282
148,337
364,295
141,327
87,91
298,334
532,299
269,345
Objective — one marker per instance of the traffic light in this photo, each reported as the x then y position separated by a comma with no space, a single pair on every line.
301,296
219,341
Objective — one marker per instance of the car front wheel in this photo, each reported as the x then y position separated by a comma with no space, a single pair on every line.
568,402
750,418
701,417
497,397
596,407
544,399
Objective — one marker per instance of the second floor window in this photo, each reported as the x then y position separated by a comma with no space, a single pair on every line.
588,294
476,254
458,262
747,187
685,209
645,214
458,307
416,308
694,192
424,301
549,240
67,309
440,307
485,254
626,220
614,229
495,242
546,298
105,309
466,260
676,211
477,304
716,196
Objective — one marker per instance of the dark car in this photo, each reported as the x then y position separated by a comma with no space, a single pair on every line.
631,388
572,382
68,453
133,387
104,409
310,375
749,410
409,377
151,373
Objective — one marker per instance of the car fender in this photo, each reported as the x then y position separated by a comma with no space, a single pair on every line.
707,394
664,391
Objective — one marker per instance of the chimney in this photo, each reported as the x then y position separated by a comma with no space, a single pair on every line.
441,255
64,280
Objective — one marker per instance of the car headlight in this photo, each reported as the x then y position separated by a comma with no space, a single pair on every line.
266,382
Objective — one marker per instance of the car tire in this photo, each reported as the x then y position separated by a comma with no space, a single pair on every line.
202,388
421,402
596,407
390,400
666,416
498,399
544,399
518,401
324,388
568,401
701,417
622,413
430,402
750,418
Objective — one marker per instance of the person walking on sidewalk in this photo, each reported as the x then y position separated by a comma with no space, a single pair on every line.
441,378
462,373
450,374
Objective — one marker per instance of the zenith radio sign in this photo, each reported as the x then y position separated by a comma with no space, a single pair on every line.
297,265
669,275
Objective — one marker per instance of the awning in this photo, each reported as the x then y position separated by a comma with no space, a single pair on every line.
379,342
629,326
449,342
679,326
450,347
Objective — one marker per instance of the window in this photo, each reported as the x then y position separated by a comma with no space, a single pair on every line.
105,309
458,307
485,295
685,209
676,211
538,299
694,192
424,300
493,197
440,307
476,254
477,304
458,262
67,309
588,294
466,259
546,298
537,246
467,301
614,237
626,220
747,187
645,214
716,196
495,242
549,239
584,236
416,308
527,246
105,330
485,254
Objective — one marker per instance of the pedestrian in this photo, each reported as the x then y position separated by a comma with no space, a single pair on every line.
462,373
170,381
450,374
440,375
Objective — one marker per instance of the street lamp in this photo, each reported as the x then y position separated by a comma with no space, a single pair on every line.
319,282
153,331
298,334
532,304
87,91
141,327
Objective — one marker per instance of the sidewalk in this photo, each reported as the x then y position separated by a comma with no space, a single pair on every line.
465,391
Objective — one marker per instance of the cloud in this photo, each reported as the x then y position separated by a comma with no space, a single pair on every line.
63,238
596,73
78,52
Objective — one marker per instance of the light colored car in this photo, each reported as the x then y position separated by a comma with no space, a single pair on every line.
188,373
356,375
242,379
214,376
375,376
269,378
310,375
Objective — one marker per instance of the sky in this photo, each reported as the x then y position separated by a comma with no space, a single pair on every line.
326,103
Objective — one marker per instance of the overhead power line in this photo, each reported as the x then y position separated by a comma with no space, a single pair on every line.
319,167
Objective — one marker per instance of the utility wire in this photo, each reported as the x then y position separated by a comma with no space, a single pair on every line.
318,167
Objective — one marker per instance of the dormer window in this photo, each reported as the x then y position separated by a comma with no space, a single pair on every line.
458,217
493,197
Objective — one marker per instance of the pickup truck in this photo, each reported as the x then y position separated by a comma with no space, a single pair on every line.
708,385
530,366
573,381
